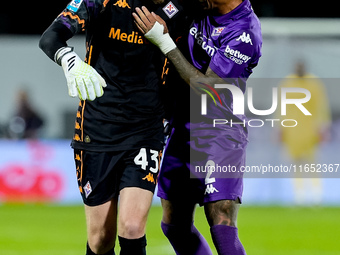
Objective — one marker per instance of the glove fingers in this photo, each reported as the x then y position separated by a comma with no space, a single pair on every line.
102,82
90,88
81,89
72,89
100,79
83,81
97,87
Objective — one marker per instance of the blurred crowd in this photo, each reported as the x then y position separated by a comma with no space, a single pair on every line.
26,122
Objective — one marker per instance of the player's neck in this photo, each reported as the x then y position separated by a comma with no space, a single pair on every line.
221,7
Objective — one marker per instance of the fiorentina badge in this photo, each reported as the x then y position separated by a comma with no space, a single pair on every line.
87,189
217,31
170,10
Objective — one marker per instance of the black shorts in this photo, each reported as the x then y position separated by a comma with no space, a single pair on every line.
101,175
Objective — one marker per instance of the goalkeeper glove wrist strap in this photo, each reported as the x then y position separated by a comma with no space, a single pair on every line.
61,53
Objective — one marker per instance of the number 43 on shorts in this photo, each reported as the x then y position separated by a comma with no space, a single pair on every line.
142,159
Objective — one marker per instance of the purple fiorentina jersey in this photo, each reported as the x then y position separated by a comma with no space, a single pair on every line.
231,46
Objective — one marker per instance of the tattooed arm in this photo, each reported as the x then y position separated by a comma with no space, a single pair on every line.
155,29
185,69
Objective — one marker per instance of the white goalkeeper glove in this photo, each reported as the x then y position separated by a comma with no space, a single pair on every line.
162,41
82,79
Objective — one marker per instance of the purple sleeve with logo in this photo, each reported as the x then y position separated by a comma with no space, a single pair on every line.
238,54
77,14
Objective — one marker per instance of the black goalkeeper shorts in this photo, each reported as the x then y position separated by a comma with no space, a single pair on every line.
101,175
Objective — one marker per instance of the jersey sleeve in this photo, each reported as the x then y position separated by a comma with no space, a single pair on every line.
238,54
74,18
77,14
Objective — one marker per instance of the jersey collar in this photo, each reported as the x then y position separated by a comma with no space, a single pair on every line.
241,10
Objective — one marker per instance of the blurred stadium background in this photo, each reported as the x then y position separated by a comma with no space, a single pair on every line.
40,208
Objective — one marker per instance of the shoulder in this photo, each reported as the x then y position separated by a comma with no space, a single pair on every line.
79,5
244,37
246,30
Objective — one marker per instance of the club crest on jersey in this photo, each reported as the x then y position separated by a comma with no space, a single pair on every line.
74,5
170,9
217,31
87,189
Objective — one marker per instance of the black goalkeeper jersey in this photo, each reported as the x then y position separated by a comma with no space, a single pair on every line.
130,112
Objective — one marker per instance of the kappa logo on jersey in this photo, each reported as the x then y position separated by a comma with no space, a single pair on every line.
236,56
210,189
87,189
245,38
217,31
122,4
170,10
149,178
74,5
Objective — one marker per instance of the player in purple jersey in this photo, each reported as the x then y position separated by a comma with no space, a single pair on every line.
224,44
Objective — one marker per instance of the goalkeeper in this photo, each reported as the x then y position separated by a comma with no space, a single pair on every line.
118,130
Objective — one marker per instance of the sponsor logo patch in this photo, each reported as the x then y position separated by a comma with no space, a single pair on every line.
133,37
236,56
202,41
74,5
